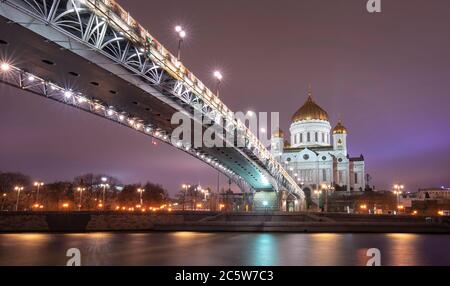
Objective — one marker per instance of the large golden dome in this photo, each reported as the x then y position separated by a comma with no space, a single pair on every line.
310,111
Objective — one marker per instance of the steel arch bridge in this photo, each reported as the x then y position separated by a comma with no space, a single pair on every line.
96,44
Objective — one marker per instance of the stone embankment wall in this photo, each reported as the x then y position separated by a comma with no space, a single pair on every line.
214,221
90,221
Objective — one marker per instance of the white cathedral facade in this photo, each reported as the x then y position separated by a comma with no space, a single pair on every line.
317,153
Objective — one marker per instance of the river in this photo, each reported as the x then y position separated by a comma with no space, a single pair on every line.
223,249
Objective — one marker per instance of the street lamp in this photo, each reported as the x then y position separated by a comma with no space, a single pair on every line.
326,187
38,185
104,186
18,189
398,191
218,76
3,200
140,191
317,192
181,35
363,207
185,188
81,190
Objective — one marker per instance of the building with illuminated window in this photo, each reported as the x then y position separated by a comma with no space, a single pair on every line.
316,154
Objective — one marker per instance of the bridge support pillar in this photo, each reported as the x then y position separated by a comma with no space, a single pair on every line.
266,200
290,202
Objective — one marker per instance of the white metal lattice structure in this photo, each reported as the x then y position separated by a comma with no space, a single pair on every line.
105,27
16,77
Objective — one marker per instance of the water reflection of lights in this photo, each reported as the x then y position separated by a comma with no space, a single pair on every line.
402,249
190,234
29,237
327,248
265,250
93,235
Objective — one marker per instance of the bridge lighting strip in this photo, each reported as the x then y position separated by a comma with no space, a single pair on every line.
16,77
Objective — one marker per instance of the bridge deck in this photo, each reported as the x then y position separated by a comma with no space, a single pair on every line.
33,53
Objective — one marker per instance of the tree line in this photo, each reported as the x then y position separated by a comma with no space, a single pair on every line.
85,192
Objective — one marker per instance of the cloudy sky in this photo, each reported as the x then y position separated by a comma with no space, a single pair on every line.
386,75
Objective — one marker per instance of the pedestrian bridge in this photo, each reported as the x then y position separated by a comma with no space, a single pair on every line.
92,55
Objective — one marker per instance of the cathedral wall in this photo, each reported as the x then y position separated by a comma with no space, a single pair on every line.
300,130
357,175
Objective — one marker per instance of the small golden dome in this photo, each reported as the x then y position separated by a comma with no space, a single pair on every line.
339,129
278,133
310,111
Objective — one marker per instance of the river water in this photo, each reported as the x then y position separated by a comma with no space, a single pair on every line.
224,249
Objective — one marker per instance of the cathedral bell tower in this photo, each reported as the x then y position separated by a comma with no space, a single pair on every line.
340,138
277,143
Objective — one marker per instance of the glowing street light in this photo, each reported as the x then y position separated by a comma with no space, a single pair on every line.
317,193
67,94
4,195
326,188
4,67
104,185
181,35
38,185
80,190
140,191
218,76
18,189
185,188
398,191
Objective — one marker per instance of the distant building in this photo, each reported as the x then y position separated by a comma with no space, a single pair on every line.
316,153
434,194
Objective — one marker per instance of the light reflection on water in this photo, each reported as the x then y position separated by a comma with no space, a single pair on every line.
264,250
193,248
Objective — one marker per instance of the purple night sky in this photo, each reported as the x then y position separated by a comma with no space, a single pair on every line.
386,75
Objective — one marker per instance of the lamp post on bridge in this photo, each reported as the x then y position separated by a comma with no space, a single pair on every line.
181,35
218,76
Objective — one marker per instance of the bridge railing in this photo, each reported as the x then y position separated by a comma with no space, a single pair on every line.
138,34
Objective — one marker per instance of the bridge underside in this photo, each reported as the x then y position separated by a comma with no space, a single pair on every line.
48,60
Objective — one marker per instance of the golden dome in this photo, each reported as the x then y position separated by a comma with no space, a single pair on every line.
310,111
278,133
339,129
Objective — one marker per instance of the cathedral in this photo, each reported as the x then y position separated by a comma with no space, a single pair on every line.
316,155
